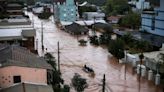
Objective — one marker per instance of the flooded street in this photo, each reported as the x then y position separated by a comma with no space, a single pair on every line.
73,57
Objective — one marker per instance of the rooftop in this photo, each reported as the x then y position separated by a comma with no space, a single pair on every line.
28,87
155,40
17,33
76,28
10,33
83,23
12,55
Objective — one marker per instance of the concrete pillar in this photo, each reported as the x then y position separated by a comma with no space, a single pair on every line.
150,75
134,62
143,71
157,79
138,69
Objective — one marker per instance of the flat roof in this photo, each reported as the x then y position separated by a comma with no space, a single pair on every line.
10,32
83,23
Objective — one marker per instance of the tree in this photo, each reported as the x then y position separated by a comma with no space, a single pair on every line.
94,40
83,9
114,7
105,38
44,15
66,88
79,83
143,46
131,20
116,48
56,75
82,42
51,60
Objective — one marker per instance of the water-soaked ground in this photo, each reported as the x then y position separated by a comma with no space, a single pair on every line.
73,57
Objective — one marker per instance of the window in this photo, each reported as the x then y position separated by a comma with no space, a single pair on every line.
17,79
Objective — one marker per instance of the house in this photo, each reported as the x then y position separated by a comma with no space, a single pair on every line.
14,9
140,4
21,37
19,65
93,15
17,28
76,29
153,20
66,11
103,27
28,87
113,19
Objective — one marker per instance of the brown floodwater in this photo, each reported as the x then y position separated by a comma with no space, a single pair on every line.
73,57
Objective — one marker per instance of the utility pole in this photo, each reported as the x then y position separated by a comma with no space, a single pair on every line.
42,36
125,63
32,21
94,30
58,58
103,86
53,9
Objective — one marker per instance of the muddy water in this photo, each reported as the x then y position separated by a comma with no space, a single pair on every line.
73,57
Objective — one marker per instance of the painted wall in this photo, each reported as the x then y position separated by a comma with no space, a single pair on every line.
34,75
67,11
159,20
142,4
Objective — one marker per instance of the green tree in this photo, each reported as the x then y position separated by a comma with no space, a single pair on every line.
113,7
116,48
105,38
94,40
51,60
56,75
79,83
143,46
83,9
66,88
131,20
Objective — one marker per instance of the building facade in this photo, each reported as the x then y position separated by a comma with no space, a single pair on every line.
93,15
19,65
66,11
13,74
14,9
153,20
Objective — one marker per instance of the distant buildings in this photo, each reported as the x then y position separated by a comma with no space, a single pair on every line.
14,9
19,65
153,20
66,11
93,15
113,19
140,4
17,28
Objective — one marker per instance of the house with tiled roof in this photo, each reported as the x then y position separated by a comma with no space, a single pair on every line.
19,65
